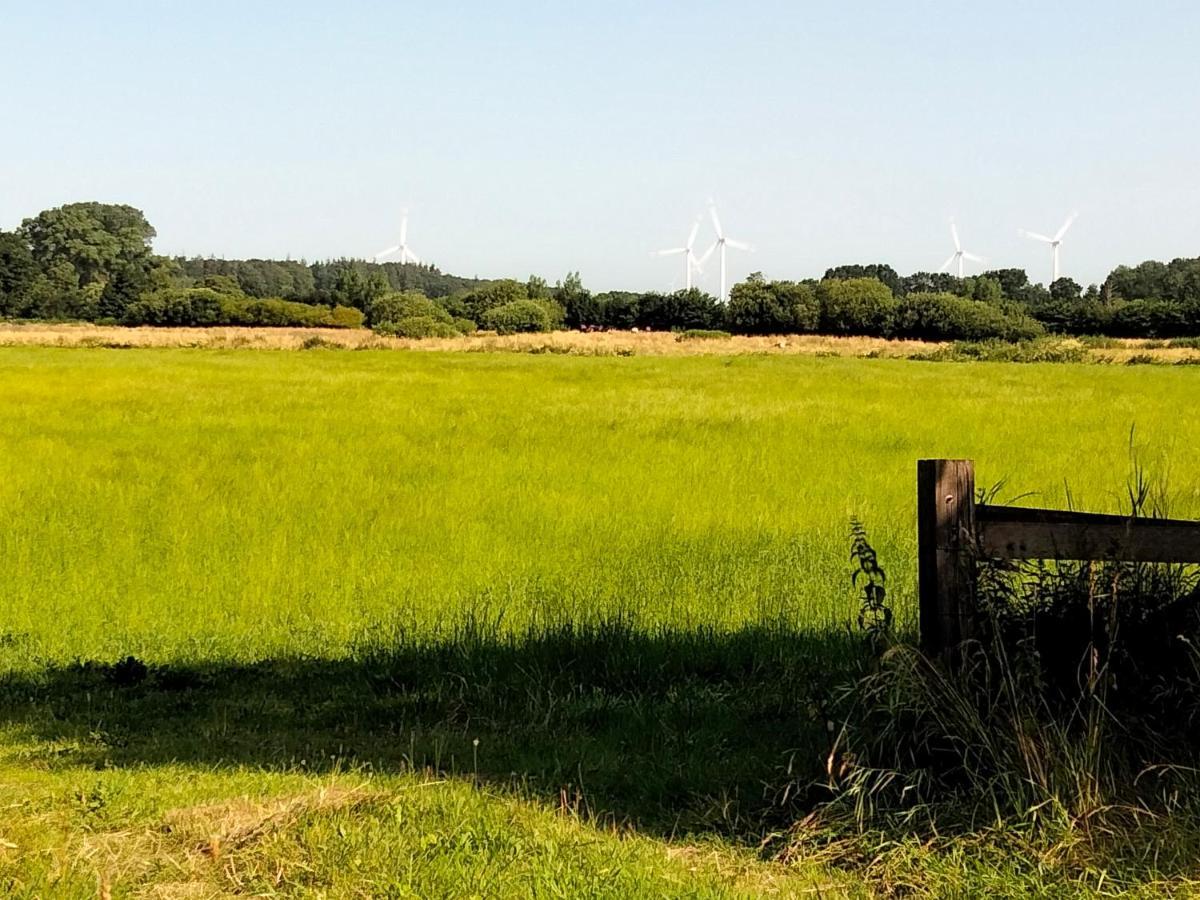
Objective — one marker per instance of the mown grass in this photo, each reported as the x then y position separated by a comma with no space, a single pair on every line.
539,623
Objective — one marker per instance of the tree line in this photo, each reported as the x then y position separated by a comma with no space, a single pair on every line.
95,262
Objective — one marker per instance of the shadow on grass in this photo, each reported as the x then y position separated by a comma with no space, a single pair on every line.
669,731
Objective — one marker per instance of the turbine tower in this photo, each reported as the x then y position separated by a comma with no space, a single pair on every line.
406,254
688,253
959,253
1054,242
723,243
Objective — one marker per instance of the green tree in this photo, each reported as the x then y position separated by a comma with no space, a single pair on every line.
881,271
96,240
987,290
779,307
580,308
491,295
681,310
1065,290
121,290
537,288
18,274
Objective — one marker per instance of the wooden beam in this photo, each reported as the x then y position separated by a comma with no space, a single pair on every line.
945,552
1013,532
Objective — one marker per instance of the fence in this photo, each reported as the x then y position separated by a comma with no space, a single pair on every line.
953,532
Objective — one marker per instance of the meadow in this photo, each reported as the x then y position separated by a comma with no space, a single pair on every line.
378,623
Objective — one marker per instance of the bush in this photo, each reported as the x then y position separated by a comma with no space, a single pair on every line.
418,327
465,326
1041,350
346,317
394,307
702,334
492,296
205,306
179,307
276,313
518,316
942,317
856,306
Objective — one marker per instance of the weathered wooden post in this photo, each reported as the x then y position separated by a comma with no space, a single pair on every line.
945,552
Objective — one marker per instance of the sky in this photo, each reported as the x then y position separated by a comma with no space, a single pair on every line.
547,137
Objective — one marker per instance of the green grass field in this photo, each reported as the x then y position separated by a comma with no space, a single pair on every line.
510,625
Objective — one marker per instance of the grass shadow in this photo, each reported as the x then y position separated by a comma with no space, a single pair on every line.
670,731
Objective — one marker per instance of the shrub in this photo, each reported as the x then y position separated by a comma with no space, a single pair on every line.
1040,350
418,327
394,307
703,334
940,317
180,307
346,317
465,326
493,295
856,306
277,313
205,306
518,316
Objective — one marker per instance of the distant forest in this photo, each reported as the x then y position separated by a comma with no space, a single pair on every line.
94,262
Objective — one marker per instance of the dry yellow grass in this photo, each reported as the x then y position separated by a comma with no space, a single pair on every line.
611,343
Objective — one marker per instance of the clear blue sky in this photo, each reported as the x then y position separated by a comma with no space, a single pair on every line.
539,137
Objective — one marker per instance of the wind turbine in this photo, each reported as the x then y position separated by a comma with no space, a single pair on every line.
688,253
723,243
1054,242
959,253
406,255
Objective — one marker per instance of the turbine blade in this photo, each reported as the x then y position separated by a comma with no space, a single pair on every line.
973,258
948,263
692,237
674,252
404,227
738,245
412,257
707,253
1067,224
954,234
1035,236
388,252
712,211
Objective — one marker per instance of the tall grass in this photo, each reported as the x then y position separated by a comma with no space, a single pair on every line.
192,504
1069,727
625,577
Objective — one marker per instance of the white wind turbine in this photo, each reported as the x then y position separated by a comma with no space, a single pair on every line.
959,253
1054,242
406,254
688,253
723,243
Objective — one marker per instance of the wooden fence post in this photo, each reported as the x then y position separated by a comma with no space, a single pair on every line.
945,552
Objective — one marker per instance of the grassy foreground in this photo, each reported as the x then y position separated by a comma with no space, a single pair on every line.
444,624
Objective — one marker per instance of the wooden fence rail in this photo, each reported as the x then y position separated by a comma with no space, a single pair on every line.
953,532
